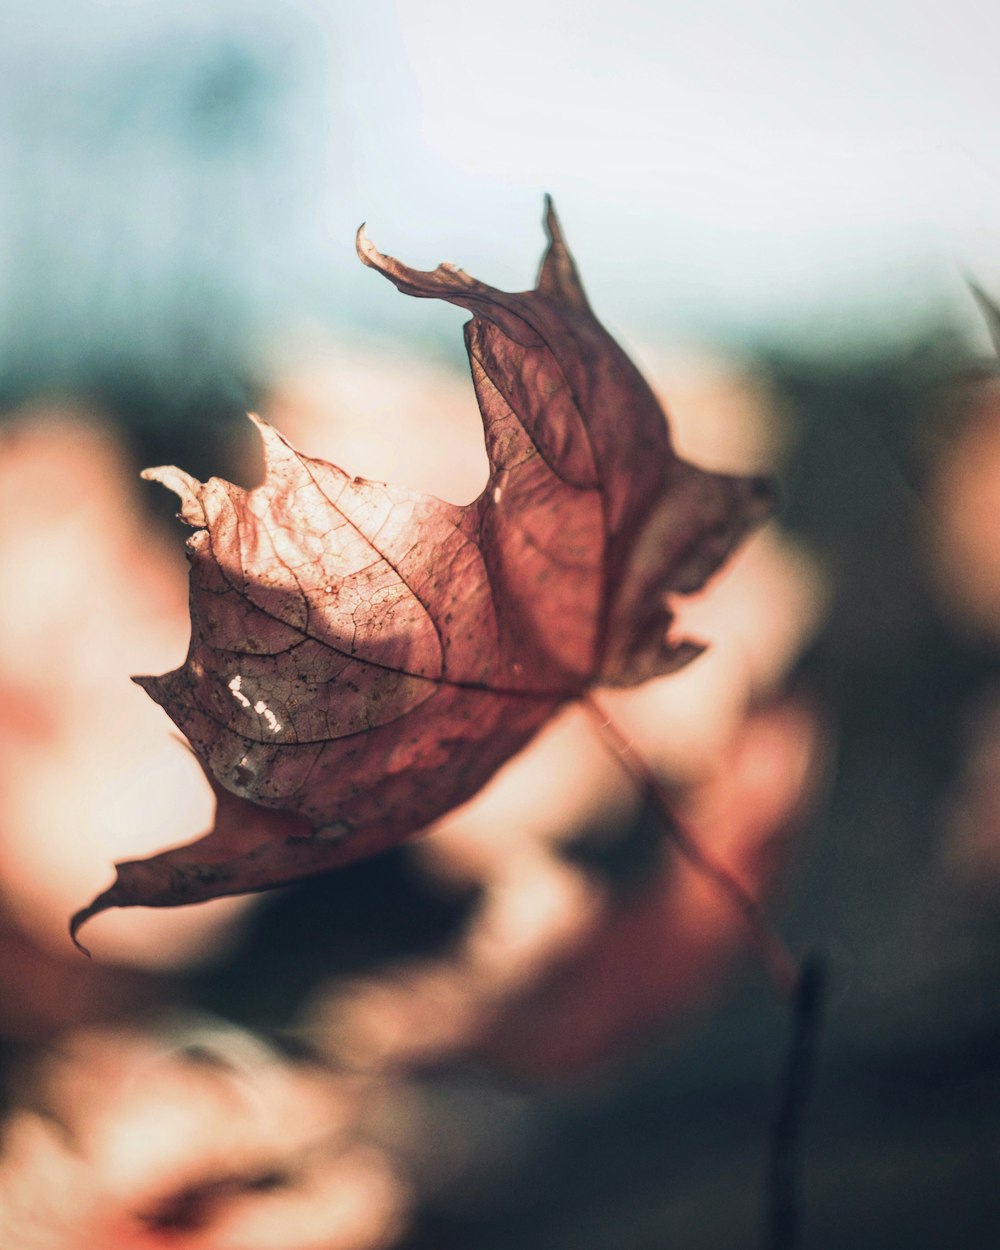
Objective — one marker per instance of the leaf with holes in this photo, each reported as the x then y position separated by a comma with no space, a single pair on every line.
364,657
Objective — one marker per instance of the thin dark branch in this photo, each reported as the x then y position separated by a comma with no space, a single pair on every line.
782,1190
780,963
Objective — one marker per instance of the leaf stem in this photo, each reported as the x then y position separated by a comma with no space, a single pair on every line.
781,965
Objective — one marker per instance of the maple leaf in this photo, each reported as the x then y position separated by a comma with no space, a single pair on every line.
363,657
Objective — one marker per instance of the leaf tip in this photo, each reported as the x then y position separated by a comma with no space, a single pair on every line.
558,276
684,652
368,253
552,227
276,446
122,892
79,919
107,898
267,432
187,488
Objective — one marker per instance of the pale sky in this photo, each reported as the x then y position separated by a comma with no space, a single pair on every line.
725,162
768,171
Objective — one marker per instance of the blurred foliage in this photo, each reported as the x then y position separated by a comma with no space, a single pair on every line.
903,1128
903,1125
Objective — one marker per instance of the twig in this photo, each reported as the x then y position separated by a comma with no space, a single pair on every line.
782,1188
779,961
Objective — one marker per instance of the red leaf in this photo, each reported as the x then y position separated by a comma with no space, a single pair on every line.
364,657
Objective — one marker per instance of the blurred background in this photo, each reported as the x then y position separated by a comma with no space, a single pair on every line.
538,1025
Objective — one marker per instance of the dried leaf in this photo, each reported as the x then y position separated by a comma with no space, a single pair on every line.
363,657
